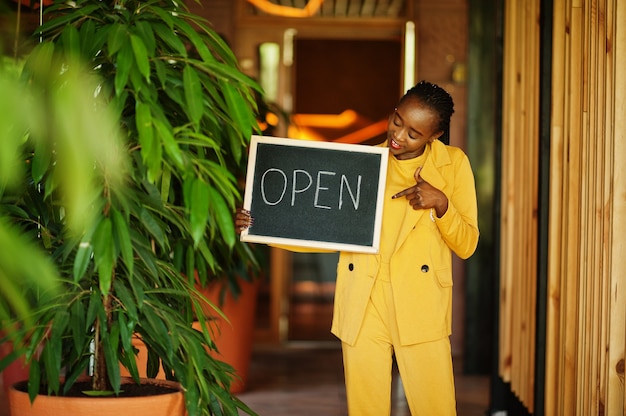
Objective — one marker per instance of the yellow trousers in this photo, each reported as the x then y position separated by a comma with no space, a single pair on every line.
425,368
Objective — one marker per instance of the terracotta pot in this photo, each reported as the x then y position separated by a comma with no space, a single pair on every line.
172,404
16,371
234,338
142,361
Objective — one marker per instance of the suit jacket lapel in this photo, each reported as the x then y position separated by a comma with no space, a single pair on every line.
431,173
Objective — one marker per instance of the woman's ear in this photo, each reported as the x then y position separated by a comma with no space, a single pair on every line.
435,136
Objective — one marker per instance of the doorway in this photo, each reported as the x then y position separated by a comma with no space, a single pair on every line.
344,91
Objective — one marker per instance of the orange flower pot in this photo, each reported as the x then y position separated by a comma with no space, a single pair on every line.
234,338
171,404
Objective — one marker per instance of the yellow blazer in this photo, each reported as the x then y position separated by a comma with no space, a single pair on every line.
421,264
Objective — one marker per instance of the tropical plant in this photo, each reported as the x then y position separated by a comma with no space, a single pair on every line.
185,113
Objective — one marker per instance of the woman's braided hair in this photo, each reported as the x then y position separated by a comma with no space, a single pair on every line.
438,100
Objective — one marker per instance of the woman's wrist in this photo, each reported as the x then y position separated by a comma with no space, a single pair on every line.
441,208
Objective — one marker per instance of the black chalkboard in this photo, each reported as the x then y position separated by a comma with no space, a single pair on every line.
315,194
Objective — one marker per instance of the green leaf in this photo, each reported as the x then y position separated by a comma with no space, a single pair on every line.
143,123
40,57
144,30
196,40
199,209
155,326
169,143
34,381
152,226
170,39
124,64
223,216
77,324
126,334
92,40
193,94
70,41
78,370
129,358
117,37
127,300
98,393
190,262
161,72
153,364
112,364
121,231
82,259
104,253
151,150
166,181
94,309
241,115
141,56
164,16
64,19
52,365
149,261
208,256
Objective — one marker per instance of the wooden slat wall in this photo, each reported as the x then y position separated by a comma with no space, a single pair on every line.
586,311
520,134
587,258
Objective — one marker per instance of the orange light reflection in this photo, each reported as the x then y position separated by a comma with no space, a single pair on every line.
309,10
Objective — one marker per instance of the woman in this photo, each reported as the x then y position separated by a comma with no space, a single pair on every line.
399,301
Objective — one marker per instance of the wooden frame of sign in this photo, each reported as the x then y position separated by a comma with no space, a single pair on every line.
319,195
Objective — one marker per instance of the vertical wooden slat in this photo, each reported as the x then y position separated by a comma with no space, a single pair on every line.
520,198
571,251
517,240
507,220
584,307
558,132
616,246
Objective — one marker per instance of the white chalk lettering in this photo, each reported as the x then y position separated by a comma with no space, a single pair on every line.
355,201
302,182
294,189
319,188
263,186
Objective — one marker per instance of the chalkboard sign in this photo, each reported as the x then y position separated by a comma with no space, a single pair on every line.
315,194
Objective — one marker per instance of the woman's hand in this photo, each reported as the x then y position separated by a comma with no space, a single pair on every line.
425,196
243,220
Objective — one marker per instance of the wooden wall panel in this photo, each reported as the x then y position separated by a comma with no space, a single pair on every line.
586,328
586,311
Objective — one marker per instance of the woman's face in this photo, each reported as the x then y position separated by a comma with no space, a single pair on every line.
411,126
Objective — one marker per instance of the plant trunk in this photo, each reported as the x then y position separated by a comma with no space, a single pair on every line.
100,379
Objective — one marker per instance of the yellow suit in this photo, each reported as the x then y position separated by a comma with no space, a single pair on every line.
400,300
421,264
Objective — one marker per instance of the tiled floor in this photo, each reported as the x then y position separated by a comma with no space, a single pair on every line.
306,379
305,376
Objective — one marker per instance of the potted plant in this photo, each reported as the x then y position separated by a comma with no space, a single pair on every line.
185,113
